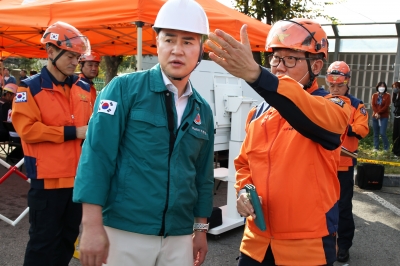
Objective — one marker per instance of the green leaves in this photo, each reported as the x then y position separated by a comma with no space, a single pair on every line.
273,10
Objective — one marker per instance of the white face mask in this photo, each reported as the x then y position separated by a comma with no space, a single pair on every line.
305,75
381,89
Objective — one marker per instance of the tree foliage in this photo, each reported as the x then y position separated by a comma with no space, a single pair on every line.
118,64
128,64
273,10
23,63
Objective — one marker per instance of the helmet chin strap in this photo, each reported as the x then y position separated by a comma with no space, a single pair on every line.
53,61
312,75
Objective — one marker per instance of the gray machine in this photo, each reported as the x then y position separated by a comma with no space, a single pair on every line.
230,99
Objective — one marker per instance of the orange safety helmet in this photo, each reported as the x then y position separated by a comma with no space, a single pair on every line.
11,87
93,56
299,34
338,72
66,37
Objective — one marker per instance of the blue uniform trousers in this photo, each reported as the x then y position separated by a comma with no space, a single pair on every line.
346,221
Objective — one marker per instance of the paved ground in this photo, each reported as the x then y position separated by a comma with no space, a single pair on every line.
376,242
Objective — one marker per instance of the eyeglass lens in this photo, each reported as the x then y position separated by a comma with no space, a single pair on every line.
288,61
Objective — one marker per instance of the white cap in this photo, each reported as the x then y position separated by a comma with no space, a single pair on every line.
184,15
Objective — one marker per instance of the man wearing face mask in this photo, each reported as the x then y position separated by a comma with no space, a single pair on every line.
337,79
290,153
380,106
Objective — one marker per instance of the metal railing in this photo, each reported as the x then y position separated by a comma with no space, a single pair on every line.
99,84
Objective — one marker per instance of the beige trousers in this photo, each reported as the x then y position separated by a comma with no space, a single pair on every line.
131,249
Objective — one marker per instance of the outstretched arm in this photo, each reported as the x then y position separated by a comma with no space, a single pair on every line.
236,57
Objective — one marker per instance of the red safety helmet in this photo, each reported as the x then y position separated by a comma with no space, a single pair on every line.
338,72
66,37
299,34
93,56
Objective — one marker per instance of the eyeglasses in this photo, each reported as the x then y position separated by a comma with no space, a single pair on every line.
288,61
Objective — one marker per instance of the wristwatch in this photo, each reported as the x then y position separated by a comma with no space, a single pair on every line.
200,227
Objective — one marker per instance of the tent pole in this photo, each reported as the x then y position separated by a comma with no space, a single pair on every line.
139,25
1,70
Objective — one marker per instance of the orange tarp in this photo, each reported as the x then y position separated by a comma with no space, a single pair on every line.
109,24
4,55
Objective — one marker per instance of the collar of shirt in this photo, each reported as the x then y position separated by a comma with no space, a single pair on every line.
171,87
67,81
180,103
86,79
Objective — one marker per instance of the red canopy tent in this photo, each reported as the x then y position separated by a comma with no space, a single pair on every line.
110,25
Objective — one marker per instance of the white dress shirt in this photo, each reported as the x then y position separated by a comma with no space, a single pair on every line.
181,102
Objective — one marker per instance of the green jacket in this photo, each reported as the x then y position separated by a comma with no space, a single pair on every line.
124,162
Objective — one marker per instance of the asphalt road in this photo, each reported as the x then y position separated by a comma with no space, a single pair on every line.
376,242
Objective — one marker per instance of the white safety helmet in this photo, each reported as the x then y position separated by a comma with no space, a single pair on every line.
184,15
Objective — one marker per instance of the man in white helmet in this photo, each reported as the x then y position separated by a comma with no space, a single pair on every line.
145,176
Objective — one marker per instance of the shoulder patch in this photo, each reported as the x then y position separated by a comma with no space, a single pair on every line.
9,116
363,111
107,106
337,101
20,97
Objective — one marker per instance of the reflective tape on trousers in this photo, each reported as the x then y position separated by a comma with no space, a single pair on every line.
377,162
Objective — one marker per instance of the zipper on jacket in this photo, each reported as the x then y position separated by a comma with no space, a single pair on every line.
172,138
269,168
171,114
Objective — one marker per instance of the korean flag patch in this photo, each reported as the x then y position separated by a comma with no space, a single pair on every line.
107,106
20,97
54,36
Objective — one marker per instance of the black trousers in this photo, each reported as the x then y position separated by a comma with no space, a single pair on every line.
346,222
54,227
396,136
269,260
